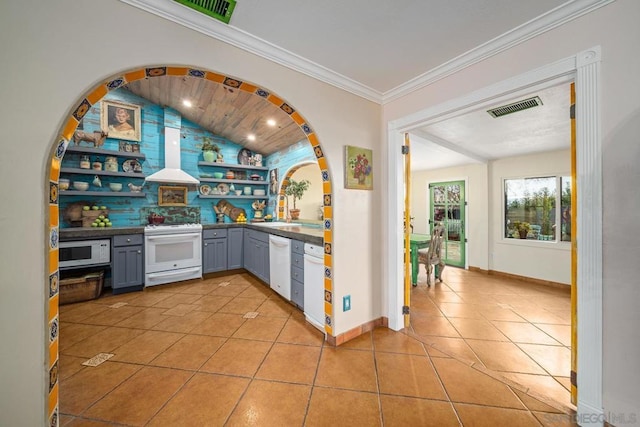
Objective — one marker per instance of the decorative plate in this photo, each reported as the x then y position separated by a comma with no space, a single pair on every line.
223,188
244,155
131,165
205,190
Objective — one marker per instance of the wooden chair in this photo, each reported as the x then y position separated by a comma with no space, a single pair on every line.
431,256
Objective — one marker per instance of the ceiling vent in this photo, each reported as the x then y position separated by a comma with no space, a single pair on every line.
218,9
515,107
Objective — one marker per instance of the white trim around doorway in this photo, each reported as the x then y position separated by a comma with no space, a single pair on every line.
584,69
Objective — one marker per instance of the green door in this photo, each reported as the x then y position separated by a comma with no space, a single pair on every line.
448,206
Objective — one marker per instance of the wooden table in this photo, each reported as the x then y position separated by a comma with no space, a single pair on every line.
416,242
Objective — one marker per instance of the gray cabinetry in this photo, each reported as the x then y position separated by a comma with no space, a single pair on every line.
297,273
127,263
256,253
214,250
234,248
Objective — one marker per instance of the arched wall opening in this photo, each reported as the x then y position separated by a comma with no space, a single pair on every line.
93,96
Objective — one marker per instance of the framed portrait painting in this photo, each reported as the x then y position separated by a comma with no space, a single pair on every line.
121,121
172,196
358,168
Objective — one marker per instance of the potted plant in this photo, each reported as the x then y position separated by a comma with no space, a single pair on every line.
522,228
209,150
296,189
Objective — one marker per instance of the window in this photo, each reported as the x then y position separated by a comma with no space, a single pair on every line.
530,208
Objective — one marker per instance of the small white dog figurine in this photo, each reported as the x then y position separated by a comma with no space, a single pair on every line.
135,188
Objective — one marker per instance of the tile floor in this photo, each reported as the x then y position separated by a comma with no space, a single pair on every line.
480,351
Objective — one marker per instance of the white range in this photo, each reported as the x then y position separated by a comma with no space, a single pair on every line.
172,253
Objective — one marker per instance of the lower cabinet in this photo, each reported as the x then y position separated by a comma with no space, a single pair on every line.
297,273
214,250
234,248
256,253
127,263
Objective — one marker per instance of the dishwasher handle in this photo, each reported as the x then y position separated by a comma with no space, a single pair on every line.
314,260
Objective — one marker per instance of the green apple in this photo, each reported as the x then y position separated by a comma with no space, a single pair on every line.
101,224
93,224
101,217
95,208
103,207
109,224
86,208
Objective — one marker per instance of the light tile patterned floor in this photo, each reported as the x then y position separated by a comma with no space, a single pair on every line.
184,354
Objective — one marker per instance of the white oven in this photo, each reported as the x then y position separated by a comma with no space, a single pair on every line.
79,253
172,253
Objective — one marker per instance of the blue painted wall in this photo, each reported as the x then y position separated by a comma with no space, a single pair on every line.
130,211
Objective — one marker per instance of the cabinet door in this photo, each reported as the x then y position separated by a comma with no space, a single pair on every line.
234,246
214,255
248,249
262,261
127,267
297,293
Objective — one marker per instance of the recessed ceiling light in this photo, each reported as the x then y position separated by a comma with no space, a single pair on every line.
251,137
187,103
271,122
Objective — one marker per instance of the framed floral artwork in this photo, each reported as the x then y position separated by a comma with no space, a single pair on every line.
172,196
121,121
358,168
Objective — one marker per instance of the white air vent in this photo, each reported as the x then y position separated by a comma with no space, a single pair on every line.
516,106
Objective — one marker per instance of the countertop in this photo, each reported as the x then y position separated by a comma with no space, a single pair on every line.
308,234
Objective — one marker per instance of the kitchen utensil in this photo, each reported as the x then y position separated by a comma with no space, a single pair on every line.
234,213
115,186
63,184
80,185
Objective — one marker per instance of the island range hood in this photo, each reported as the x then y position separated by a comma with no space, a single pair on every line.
172,173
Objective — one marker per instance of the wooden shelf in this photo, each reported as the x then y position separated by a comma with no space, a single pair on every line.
79,171
103,152
228,196
101,193
235,181
233,166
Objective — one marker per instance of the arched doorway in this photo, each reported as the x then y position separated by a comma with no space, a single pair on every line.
94,95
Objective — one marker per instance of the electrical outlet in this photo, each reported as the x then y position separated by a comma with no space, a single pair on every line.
346,303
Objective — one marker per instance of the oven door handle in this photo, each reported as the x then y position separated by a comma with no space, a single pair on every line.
173,273
173,236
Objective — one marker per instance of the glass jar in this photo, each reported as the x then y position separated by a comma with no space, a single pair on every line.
96,165
111,164
85,163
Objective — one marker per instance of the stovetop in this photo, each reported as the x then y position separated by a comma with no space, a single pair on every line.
172,228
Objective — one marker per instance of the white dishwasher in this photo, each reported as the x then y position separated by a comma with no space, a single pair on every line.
280,265
314,285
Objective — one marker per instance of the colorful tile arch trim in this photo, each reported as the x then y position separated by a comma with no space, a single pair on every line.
52,285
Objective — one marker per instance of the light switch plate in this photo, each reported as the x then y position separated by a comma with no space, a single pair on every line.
346,303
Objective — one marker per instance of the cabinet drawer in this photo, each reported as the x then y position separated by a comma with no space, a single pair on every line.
297,274
258,235
297,260
214,233
297,247
127,240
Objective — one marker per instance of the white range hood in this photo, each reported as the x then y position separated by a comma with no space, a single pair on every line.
172,174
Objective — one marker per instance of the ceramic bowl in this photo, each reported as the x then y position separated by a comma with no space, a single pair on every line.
238,192
63,184
218,175
115,186
80,185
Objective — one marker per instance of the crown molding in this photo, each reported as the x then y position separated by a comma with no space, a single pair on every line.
189,18
543,23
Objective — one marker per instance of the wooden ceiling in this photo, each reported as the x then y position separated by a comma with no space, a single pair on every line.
224,111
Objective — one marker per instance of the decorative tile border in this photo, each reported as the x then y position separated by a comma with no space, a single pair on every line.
70,127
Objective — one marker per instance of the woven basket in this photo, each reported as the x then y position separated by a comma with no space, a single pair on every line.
84,288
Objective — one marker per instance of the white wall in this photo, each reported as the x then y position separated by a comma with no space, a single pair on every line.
311,201
613,27
54,53
540,260
477,208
